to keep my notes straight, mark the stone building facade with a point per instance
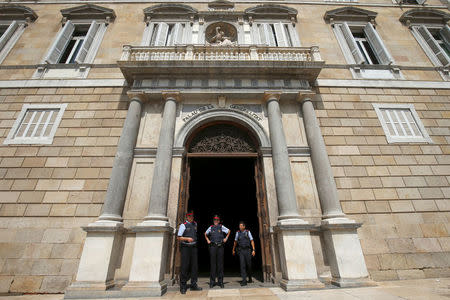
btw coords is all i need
(337, 111)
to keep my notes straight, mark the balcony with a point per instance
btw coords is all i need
(225, 62)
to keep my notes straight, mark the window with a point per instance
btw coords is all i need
(76, 43)
(363, 45)
(275, 35)
(36, 124)
(401, 124)
(435, 41)
(167, 34)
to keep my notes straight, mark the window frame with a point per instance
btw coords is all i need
(290, 34)
(423, 44)
(12, 40)
(48, 140)
(425, 138)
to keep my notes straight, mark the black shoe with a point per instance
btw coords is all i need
(212, 284)
(243, 283)
(250, 280)
(221, 285)
(196, 288)
(183, 291)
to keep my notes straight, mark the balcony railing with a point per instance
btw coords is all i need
(208, 53)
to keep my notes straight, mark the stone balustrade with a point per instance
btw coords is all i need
(212, 53)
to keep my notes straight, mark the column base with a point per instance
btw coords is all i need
(145, 289)
(298, 285)
(352, 282)
(149, 259)
(296, 255)
(344, 252)
(96, 268)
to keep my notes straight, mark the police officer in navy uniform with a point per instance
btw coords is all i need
(215, 236)
(187, 235)
(246, 249)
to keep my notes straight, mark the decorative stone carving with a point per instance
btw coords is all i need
(223, 138)
(221, 34)
(88, 12)
(424, 16)
(350, 13)
(17, 12)
(221, 5)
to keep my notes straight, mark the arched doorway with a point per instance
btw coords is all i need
(222, 174)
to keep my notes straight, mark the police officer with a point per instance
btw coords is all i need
(215, 236)
(187, 235)
(246, 249)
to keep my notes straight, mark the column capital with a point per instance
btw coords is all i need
(171, 95)
(137, 95)
(272, 95)
(304, 97)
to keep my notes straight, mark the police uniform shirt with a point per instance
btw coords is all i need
(224, 229)
(249, 235)
(182, 229)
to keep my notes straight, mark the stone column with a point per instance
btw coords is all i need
(326, 186)
(96, 269)
(287, 202)
(123, 161)
(157, 210)
(152, 235)
(342, 246)
(294, 240)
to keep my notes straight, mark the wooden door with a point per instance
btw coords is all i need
(263, 216)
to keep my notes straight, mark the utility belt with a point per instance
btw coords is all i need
(193, 244)
(244, 248)
(216, 244)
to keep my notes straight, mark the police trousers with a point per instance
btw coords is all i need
(189, 264)
(245, 262)
(216, 262)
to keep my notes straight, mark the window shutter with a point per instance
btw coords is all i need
(147, 34)
(381, 52)
(60, 43)
(256, 39)
(8, 34)
(177, 36)
(431, 42)
(356, 53)
(87, 42)
(445, 34)
(269, 38)
(161, 35)
(281, 35)
(294, 36)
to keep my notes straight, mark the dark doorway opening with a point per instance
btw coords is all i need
(225, 186)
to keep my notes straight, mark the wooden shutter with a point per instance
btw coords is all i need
(434, 46)
(445, 35)
(351, 43)
(8, 34)
(266, 35)
(161, 35)
(256, 39)
(281, 35)
(177, 35)
(294, 36)
(87, 43)
(381, 52)
(147, 34)
(60, 43)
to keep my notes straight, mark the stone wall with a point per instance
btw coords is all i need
(48, 192)
(399, 191)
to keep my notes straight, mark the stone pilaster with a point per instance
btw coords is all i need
(342, 245)
(294, 240)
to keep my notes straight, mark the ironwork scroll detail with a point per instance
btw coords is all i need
(222, 138)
